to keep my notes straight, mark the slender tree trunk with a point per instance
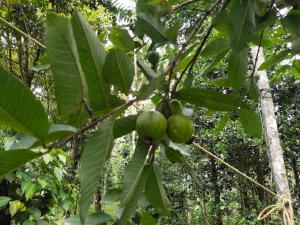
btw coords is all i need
(272, 140)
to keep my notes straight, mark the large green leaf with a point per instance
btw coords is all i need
(70, 84)
(215, 47)
(274, 59)
(19, 109)
(237, 68)
(155, 192)
(121, 38)
(251, 122)
(210, 99)
(135, 178)
(4, 201)
(241, 23)
(96, 151)
(147, 71)
(148, 89)
(124, 125)
(291, 22)
(91, 219)
(11, 160)
(118, 69)
(56, 131)
(151, 26)
(146, 219)
(219, 126)
(92, 57)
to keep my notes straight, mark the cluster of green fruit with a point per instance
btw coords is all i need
(167, 119)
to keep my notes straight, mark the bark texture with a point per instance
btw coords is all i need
(272, 140)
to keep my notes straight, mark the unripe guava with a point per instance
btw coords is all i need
(180, 128)
(175, 107)
(153, 57)
(151, 125)
(164, 108)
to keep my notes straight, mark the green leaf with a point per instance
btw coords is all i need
(12, 159)
(118, 69)
(19, 109)
(121, 38)
(56, 131)
(92, 56)
(135, 178)
(14, 206)
(222, 122)
(147, 71)
(274, 59)
(251, 122)
(151, 26)
(237, 68)
(215, 47)
(91, 219)
(70, 84)
(112, 195)
(210, 99)
(124, 125)
(96, 151)
(216, 61)
(253, 90)
(155, 192)
(4, 201)
(29, 189)
(148, 89)
(291, 22)
(220, 82)
(146, 219)
(241, 23)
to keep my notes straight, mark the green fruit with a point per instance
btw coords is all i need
(151, 125)
(164, 108)
(153, 58)
(175, 107)
(180, 128)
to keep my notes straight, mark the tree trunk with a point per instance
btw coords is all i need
(272, 141)
(297, 180)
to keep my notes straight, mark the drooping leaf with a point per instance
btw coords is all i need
(135, 178)
(253, 90)
(121, 38)
(291, 22)
(151, 26)
(56, 131)
(210, 99)
(146, 219)
(96, 151)
(92, 56)
(4, 201)
(91, 219)
(28, 188)
(147, 71)
(70, 84)
(12, 159)
(241, 23)
(274, 59)
(118, 69)
(216, 61)
(215, 47)
(155, 192)
(237, 68)
(222, 122)
(19, 109)
(148, 89)
(251, 122)
(124, 125)
(112, 195)
(221, 82)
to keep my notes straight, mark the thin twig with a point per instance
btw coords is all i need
(256, 57)
(22, 32)
(194, 59)
(91, 125)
